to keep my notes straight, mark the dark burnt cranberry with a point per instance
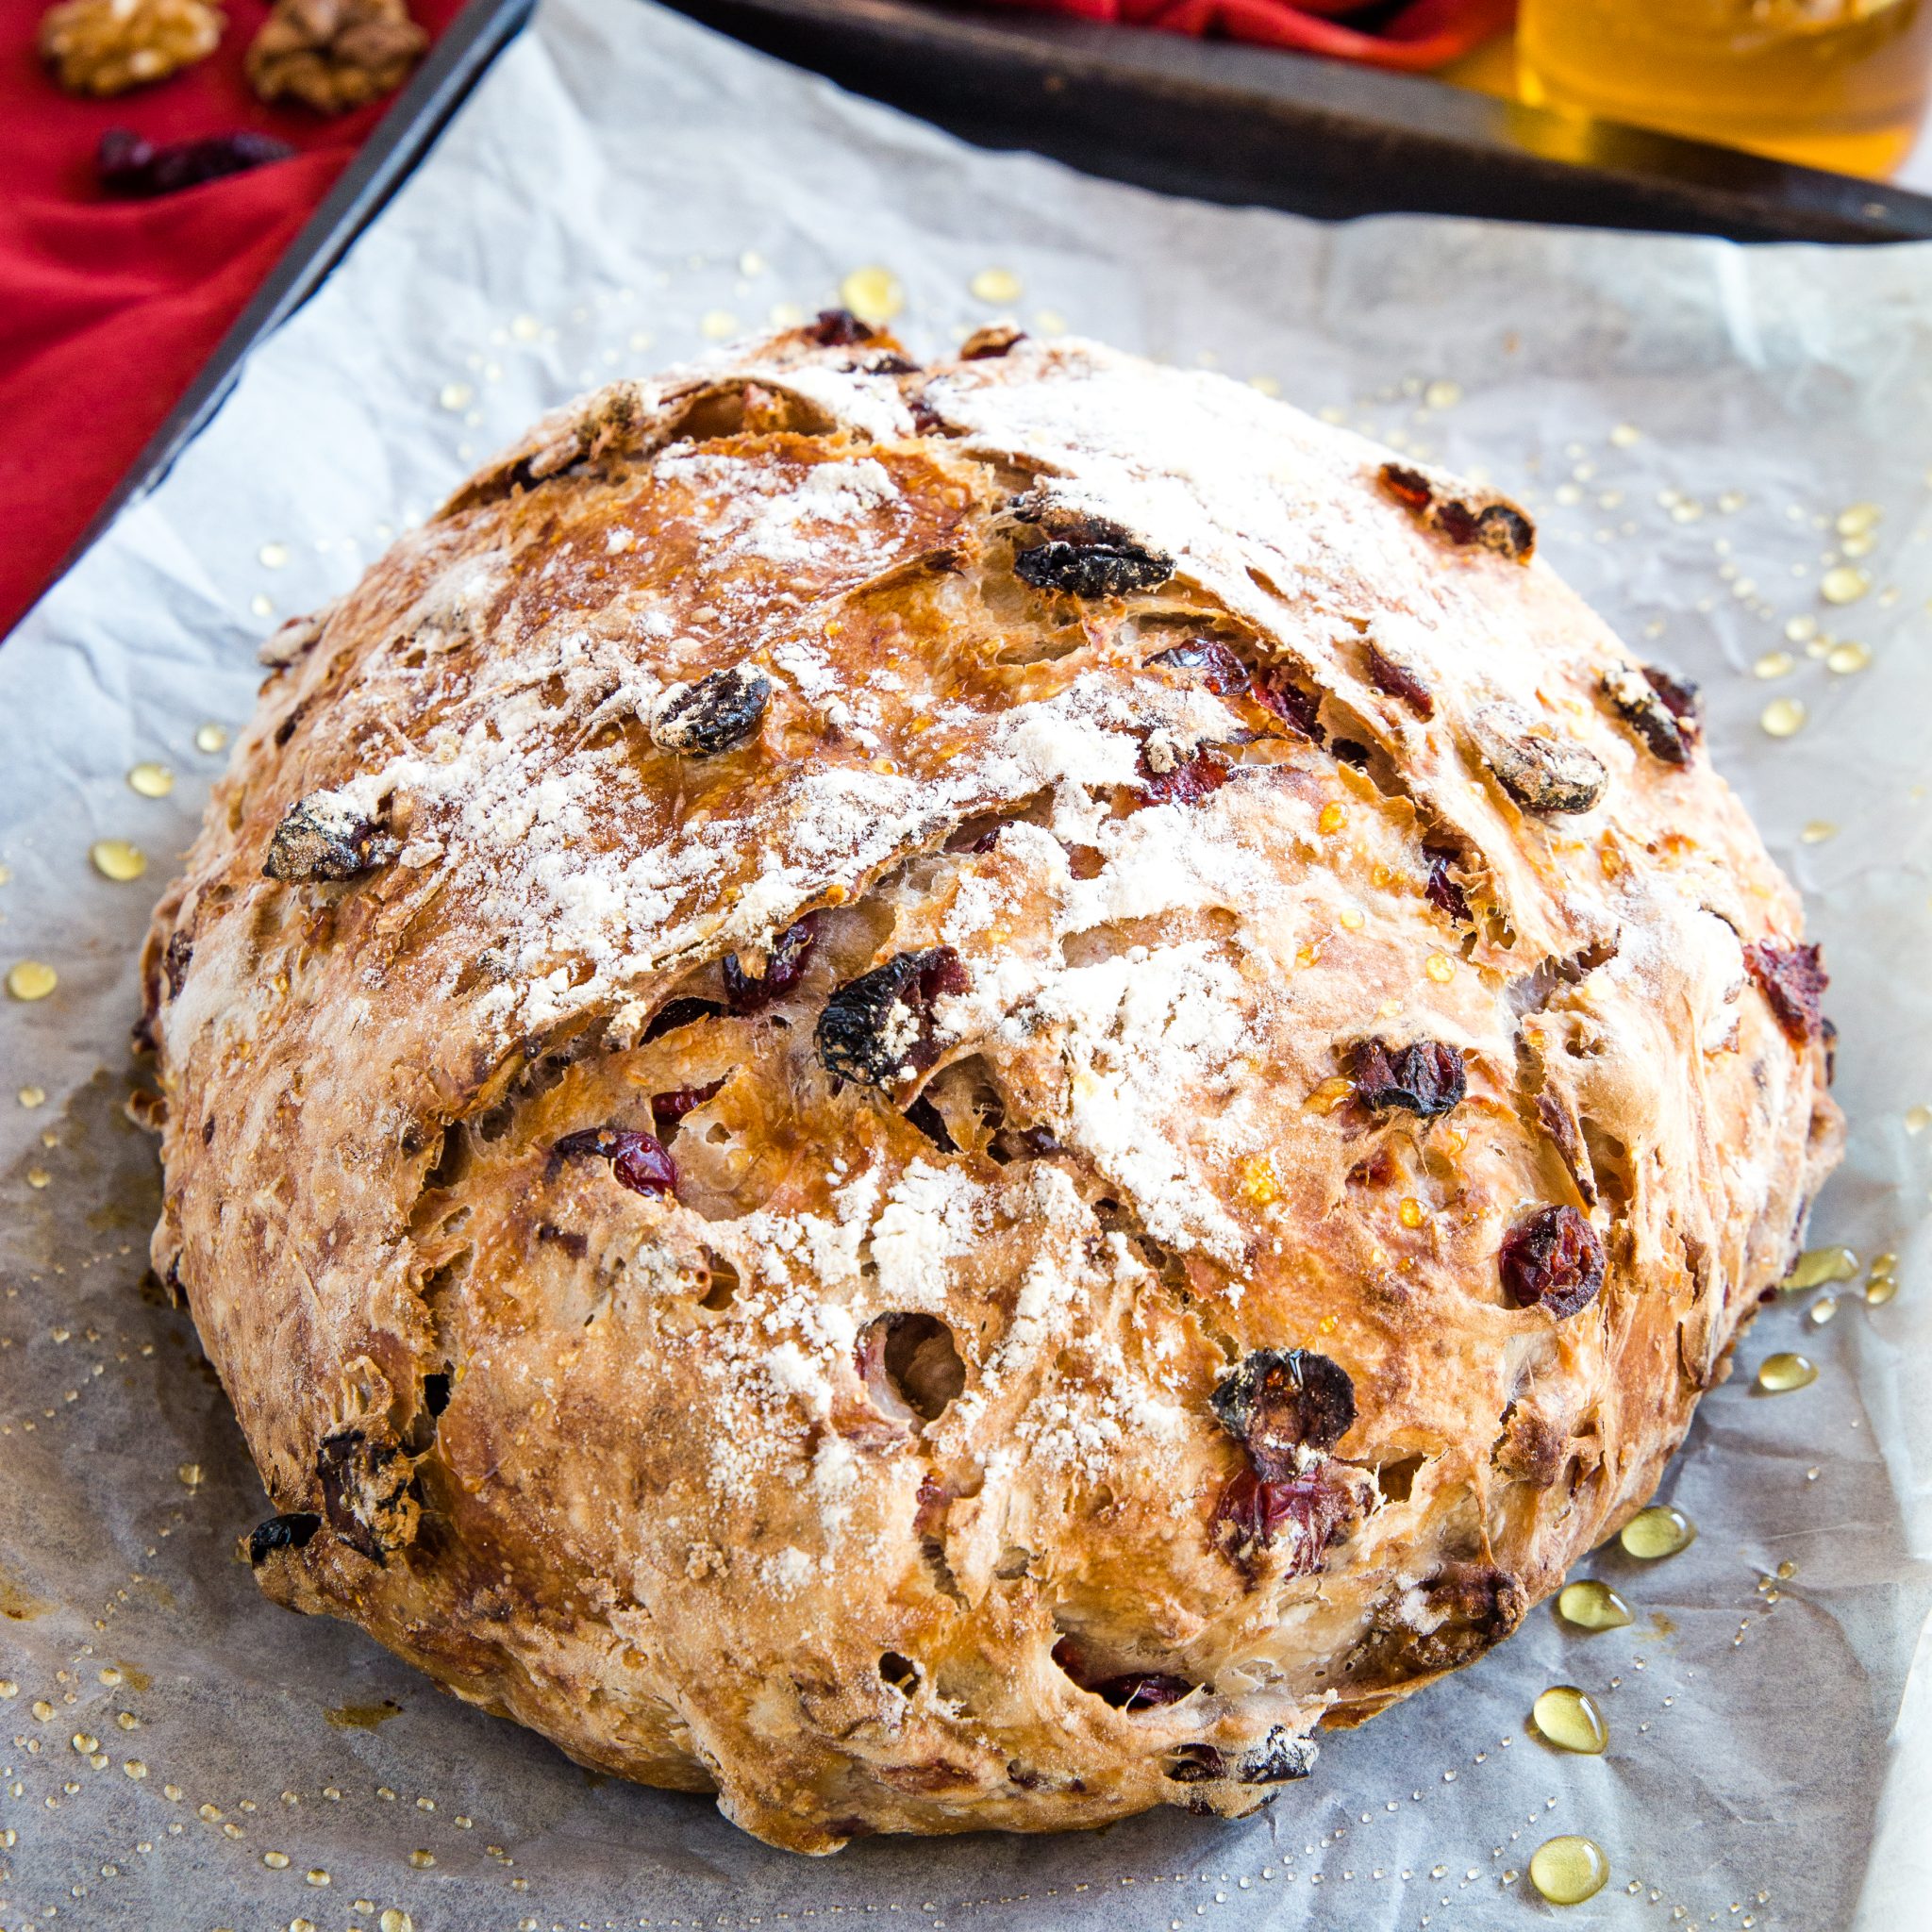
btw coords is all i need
(321, 840)
(637, 1159)
(1426, 1076)
(1553, 1258)
(679, 1012)
(127, 165)
(288, 1532)
(1206, 661)
(1279, 1759)
(1793, 980)
(1639, 703)
(1410, 488)
(876, 1027)
(667, 1110)
(1186, 781)
(174, 961)
(1197, 1764)
(1297, 708)
(784, 968)
(1682, 697)
(1280, 1401)
(838, 328)
(716, 714)
(1544, 774)
(1085, 555)
(1504, 528)
(1442, 893)
(1252, 1515)
(1399, 681)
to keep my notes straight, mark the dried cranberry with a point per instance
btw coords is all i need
(1793, 980)
(1495, 525)
(1298, 709)
(667, 1110)
(1085, 555)
(129, 165)
(1206, 661)
(1279, 1759)
(1636, 701)
(1442, 893)
(637, 1159)
(996, 339)
(1278, 1402)
(174, 961)
(1186, 781)
(716, 714)
(1426, 1076)
(838, 328)
(1132, 1691)
(1252, 1513)
(291, 1531)
(1554, 1258)
(1682, 697)
(318, 839)
(1197, 1764)
(1410, 488)
(876, 1028)
(784, 968)
(683, 1012)
(1399, 681)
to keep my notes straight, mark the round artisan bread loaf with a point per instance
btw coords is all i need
(946, 1096)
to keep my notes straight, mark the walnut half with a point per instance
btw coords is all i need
(108, 46)
(334, 55)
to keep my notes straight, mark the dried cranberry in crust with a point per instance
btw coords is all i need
(1426, 1076)
(1493, 524)
(784, 968)
(1553, 1258)
(716, 714)
(1297, 708)
(1206, 661)
(129, 165)
(174, 961)
(1636, 701)
(1441, 891)
(667, 1110)
(1085, 555)
(1132, 1691)
(1793, 980)
(320, 840)
(995, 338)
(1253, 1514)
(1399, 681)
(1279, 1402)
(876, 1027)
(1279, 1759)
(1197, 1764)
(683, 1012)
(838, 328)
(291, 1531)
(1682, 697)
(637, 1159)
(1186, 781)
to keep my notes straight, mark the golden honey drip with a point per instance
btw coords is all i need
(874, 294)
(1783, 718)
(1568, 1718)
(1816, 1266)
(1592, 1606)
(152, 780)
(1568, 1869)
(212, 737)
(997, 285)
(31, 979)
(1778, 1374)
(1843, 585)
(1822, 1310)
(115, 858)
(1657, 1532)
(1879, 1291)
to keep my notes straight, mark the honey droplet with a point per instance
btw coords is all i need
(1816, 1266)
(1568, 1718)
(272, 556)
(526, 328)
(1329, 1094)
(211, 736)
(1568, 1869)
(135, 1768)
(456, 395)
(1802, 629)
(1817, 832)
(1822, 1310)
(873, 293)
(421, 1858)
(1265, 385)
(33, 1096)
(1859, 520)
(1332, 819)
(393, 1920)
(717, 325)
(276, 1861)
(42, 1709)
(31, 979)
(38, 1177)
(1783, 717)
(995, 285)
(1626, 436)
(1440, 967)
(1886, 1263)
(1778, 1374)
(261, 605)
(8, 1687)
(1657, 1532)
(152, 780)
(1918, 1119)
(1350, 920)
(1773, 664)
(1879, 1291)
(115, 858)
(1843, 585)
(1847, 657)
(316, 1876)
(1442, 394)
(1410, 1213)
(1592, 1606)
(189, 1475)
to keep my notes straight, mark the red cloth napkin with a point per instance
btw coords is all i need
(108, 308)
(1421, 35)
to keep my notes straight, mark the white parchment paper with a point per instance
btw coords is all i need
(1687, 419)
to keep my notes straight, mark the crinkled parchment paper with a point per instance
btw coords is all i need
(1687, 419)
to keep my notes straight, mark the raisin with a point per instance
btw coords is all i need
(1086, 556)
(1399, 681)
(1297, 708)
(1280, 1401)
(683, 1012)
(1494, 524)
(1793, 980)
(1252, 1513)
(127, 165)
(318, 839)
(1636, 701)
(638, 1159)
(1682, 697)
(1206, 661)
(878, 1028)
(291, 1531)
(174, 961)
(716, 714)
(1442, 892)
(1186, 781)
(838, 328)
(667, 1110)
(995, 338)
(1555, 1259)
(1280, 1757)
(784, 968)
(1132, 1691)
(1426, 1076)
(1545, 775)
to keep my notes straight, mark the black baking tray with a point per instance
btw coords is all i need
(1209, 119)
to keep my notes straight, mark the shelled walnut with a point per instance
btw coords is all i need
(334, 55)
(108, 46)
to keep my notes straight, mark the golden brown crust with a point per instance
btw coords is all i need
(1273, 907)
